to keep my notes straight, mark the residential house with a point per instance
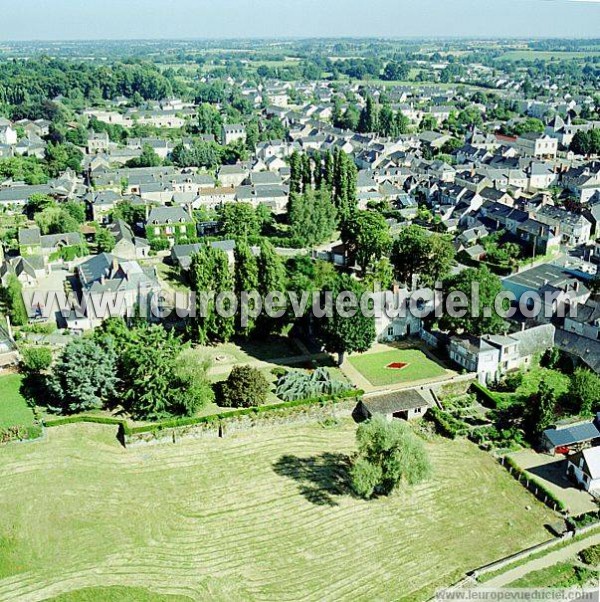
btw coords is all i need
(97, 142)
(127, 246)
(109, 282)
(231, 132)
(492, 356)
(540, 146)
(584, 467)
(172, 224)
(232, 175)
(574, 228)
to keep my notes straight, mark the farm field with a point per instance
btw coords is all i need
(14, 410)
(373, 366)
(545, 55)
(258, 516)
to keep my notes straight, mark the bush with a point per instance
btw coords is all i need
(159, 244)
(583, 520)
(278, 371)
(301, 385)
(445, 424)
(36, 359)
(245, 387)
(591, 555)
(20, 433)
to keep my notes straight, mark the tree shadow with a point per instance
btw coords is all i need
(319, 478)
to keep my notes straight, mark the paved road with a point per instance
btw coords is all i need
(560, 555)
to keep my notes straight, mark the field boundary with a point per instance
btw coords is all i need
(218, 425)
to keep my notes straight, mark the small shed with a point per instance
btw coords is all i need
(570, 438)
(395, 404)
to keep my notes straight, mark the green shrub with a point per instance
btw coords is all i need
(245, 387)
(445, 424)
(20, 433)
(591, 555)
(300, 385)
(583, 520)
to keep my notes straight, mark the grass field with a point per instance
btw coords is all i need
(258, 516)
(373, 366)
(117, 594)
(14, 410)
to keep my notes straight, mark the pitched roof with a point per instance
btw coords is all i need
(395, 401)
(577, 433)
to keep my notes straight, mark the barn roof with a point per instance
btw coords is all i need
(395, 401)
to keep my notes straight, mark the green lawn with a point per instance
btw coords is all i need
(260, 515)
(373, 366)
(14, 410)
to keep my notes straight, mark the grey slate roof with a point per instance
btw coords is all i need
(577, 433)
(395, 401)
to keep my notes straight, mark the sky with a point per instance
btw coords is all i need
(171, 19)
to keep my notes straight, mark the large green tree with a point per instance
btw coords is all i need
(245, 282)
(11, 297)
(211, 276)
(83, 377)
(312, 217)
(389, 454)
(480, 289)
(239, 220)
(366, 236)
(348, 330)
(584, 392)
(417, 252)
(158, 380)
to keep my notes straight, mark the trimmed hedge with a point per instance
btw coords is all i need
(84, 418)
(485, 396)
(519, 473)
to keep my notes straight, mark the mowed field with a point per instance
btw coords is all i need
(262, 515)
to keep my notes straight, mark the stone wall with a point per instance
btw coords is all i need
(224, 427)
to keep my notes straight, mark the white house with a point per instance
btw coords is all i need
(584, 466)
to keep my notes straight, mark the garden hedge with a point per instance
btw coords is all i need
(485, 396)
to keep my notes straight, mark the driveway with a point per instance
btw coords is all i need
(551, 471)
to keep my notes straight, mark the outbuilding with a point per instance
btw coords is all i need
(395, 404)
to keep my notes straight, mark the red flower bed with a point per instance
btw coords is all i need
(397, 365)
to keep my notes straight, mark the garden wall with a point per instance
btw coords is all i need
(228, 423)
(457, 386)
